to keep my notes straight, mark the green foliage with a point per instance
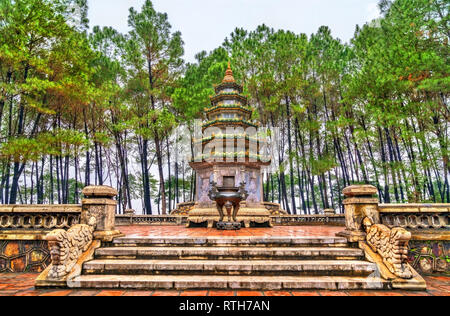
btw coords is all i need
(374, 110)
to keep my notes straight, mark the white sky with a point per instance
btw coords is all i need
(206, 23)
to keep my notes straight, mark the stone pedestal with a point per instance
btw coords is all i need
(229, 226)
(252, 210)
(248, 216)
(360, 202)
(99, 203)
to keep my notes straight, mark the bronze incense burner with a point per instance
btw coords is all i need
(230, 199)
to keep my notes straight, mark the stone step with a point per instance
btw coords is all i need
(150, 282)
(230, 253)
(230, 267)
(230, 241)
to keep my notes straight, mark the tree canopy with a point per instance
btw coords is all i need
(81, 106)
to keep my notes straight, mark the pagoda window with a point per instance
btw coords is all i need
(228, 115)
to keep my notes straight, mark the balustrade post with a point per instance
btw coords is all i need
(360, 202)
(99, 202)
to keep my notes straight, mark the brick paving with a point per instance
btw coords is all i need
(277, 231)
(22, 284)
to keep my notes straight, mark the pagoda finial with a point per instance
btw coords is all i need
(229, 74)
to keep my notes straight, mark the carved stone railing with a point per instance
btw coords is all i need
(416, 217)
(388, 234)
(299, 220)
(38, 217)
(152, 220)
(282, 220)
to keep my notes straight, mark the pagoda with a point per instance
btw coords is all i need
(229, 154)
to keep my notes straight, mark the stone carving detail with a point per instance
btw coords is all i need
(252, 194)
(391, 245)
(66, 247)
(204, 198)
(93, 211)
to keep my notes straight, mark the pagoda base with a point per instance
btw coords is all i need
(247, 216)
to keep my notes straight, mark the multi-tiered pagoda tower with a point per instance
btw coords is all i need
(229, 154)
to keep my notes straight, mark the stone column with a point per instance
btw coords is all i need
(99, 202)
(360, 202)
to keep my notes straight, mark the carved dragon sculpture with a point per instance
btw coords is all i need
(391, 245)
(66, 247)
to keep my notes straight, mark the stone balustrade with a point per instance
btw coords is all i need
(298, 220)
(416, 216)
(280, 220)
(156, 220)
(39, 217)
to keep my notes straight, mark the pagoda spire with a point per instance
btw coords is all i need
(229, 75)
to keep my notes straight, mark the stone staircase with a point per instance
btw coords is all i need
(237, 263)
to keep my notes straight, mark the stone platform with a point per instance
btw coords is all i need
(246, 216)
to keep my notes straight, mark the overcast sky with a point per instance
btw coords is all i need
(206, 23)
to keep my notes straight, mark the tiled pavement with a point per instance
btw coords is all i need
(277, 231)
(23, 284)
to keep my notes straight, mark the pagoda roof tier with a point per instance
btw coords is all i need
(228, 85)
(256, 145)
(228, 107)
(223, 121)
(238, 159)
(228, 96)
(230, 137)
